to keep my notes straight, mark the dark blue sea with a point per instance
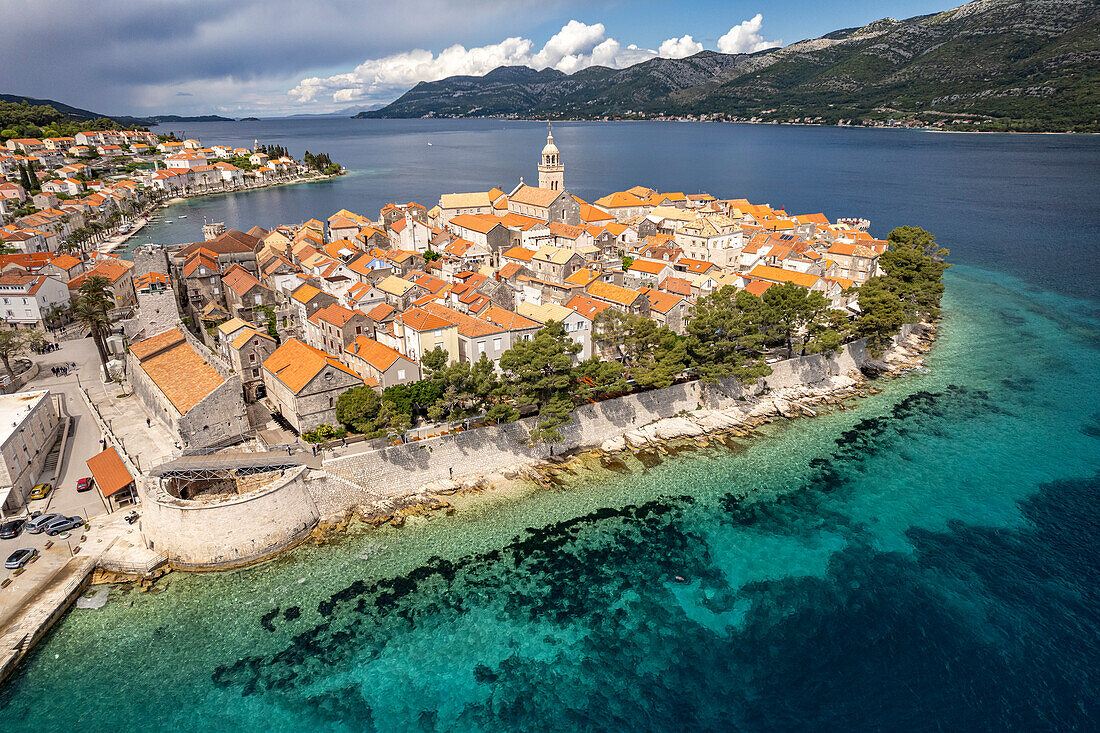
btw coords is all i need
(926, 561)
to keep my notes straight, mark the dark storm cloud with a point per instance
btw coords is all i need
(113, 53)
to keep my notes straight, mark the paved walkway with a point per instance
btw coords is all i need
(84, 442)
(147, 441)
(109, 537)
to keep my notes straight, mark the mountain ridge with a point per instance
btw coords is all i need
(1006, 64)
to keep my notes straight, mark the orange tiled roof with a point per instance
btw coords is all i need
(109, 472)
(295, 364)
(335, 314)
(613, 293)
(519, 253)
(381, 312)
(661, 301)
(506, 318)
(649, 267)
(535, 196)
(420, 319)
(777, 274)
(757, 287)
(379, 356)
(176, 369)
(587, 306)
(468, 326)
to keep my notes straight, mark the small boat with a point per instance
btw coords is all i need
(182, 216)
(429, 145)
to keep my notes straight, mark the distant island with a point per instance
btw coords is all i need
(161, 119)
(249, 119)
(991, 65)
(61, 112)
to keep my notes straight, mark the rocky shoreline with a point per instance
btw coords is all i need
(702, 426)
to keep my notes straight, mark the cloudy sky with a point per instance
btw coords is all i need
(273, 57)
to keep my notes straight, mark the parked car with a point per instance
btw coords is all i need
(40, 491)
(84, 484)
(37, 524)
(21, 557)
(11, 528)
(63, 525)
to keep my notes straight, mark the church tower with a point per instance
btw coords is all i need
(551, 170)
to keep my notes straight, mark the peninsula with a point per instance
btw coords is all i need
(271, 381)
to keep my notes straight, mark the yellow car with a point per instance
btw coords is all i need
(39, 492)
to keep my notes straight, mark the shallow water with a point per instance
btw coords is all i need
(926, 561)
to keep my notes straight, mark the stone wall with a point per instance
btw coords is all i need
(150, 258)
(157, 311)
(399, 470)
(219, 419)
(231, 532)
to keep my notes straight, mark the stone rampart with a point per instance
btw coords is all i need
(399, 470)
(230, 532)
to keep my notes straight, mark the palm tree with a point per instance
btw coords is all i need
(90, 309)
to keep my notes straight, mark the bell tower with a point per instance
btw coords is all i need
(551, 170)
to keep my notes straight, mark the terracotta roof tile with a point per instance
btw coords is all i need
(295, 364)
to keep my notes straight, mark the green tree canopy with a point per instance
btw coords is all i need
(358, 409)
(12, 345)
(539, 373)
(790, 308)
(726, 336)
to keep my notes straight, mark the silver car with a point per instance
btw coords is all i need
(21, 557)
(64, 524)
(36, 525)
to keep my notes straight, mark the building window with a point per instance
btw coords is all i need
(496, 344)
(252, 357)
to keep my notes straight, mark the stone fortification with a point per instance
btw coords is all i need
(397, 471)
(232, 531)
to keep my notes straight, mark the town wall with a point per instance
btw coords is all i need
(231, 532)
(399, 470)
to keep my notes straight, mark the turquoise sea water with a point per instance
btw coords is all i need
(926, 561)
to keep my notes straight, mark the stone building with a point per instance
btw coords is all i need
(303, 384)
(120, 278)
(544, 203)
(306, 300)
(245, 296)
(248, 351)
(28, 429)
(158, 308)
(332, 328)
(380, 364)
(199, 402)
(150, 258)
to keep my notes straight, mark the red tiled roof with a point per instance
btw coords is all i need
(109, 472)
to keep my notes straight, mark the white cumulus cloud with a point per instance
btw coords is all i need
(576, 46)
(679, 48)
(745, 37)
